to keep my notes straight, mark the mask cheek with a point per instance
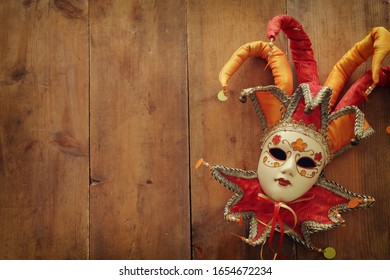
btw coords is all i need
(270, 161)
(308, 172)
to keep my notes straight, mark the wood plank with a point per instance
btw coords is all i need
(224, 133)
(363, 169)
(139, 137)
(44, 130)
(139, 127)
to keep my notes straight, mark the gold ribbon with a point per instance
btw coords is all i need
(282, 205)
(276, 217)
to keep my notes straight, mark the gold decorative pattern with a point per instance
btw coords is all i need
(307, 227)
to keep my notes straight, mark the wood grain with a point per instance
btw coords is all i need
(43, 130)
(139, 136)
(223, 133)
(106, 106)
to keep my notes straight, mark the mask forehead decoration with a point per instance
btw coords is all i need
(303, 130)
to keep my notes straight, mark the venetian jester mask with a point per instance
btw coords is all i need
(302, 131)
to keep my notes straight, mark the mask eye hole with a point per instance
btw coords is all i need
(278, 153)
(306, 162)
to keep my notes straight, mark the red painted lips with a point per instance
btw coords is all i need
(283, 182)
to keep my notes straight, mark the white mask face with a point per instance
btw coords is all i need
(289, 165)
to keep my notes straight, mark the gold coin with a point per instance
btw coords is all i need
(329, 253)
(221, 96)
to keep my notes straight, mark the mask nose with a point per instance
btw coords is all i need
(289, 167)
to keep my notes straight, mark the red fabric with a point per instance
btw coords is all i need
(315, 209)
(313, 118)
(300, 45)
(305, 64)
(356, 93)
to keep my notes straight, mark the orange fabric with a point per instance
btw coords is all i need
(278, 63)
(341, 131)
(270, 105)
(377, 43)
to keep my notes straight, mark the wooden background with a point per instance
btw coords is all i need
(105, 107)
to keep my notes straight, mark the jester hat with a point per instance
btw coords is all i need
(312, 110)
